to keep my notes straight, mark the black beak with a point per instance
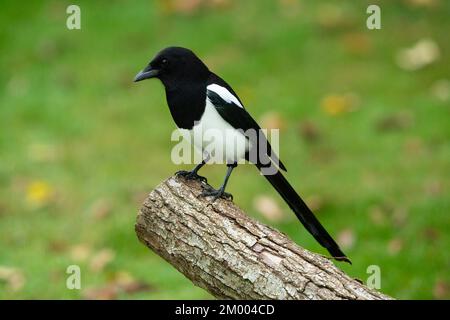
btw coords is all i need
(147, 73)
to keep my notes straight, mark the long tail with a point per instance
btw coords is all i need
(305, 215)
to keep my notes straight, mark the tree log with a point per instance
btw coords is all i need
(232, 256)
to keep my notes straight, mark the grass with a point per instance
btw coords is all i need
(81, 145)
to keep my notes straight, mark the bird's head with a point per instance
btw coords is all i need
(173, 66)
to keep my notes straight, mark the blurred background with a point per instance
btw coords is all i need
(364, 119)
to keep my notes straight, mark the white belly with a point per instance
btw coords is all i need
(214, 137)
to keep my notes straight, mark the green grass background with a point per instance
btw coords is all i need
(71, 92)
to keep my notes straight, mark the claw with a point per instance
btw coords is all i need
(190, 175)
(209, 191)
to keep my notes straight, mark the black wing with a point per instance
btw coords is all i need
(239, 118)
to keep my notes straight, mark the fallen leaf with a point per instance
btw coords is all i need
(395, 246)
(126, 283)
(441, 90)
(423, 3)
(57, 246)
(14, 278)
(39, 193)
(336, 104)
(108, 292)
(357, 43)
(268, 207)
(272, 120)
(330, 16)
(346, 238)
(441, 290)
(431, 234)
(101, 208)
(309, 131)
(101, 259)
(122, 277)
(122, 282)
(315, 202)
(394, 122)
(186, 7)
(80, 252)
(421, 54)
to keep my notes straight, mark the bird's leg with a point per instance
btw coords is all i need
(209, 191)
(193, 175)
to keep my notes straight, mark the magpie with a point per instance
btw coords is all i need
(199, 100)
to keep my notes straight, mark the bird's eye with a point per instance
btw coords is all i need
(164, 61)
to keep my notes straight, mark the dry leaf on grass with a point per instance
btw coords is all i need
(187, 7)
(39, 193)
(357, 43)
(80, 252)
(57, 246)
(431, 234)
(421, 54)
(122, 282)
(315, 202)
(101, 259)
(330, 16)
(272, 120)
(377, 215)
(101, 209)
(268, 207)
(338, 104)
(346, 238)
(107, 292)
(395, 246)
(395, 122)
(441, 290)
(309, 131)
(191, 7)
(14, 278)
(441, 90)
(423, 3)
(126, 283)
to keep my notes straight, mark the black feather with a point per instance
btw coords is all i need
(305, 215)
(239, 118)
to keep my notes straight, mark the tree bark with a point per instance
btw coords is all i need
(232, 256)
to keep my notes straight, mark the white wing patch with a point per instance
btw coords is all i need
(224, 94)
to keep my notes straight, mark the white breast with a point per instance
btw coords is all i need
(213, 136)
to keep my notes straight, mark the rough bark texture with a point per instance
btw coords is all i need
(219, 248)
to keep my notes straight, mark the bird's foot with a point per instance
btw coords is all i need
(209, 191)
(190, 175)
